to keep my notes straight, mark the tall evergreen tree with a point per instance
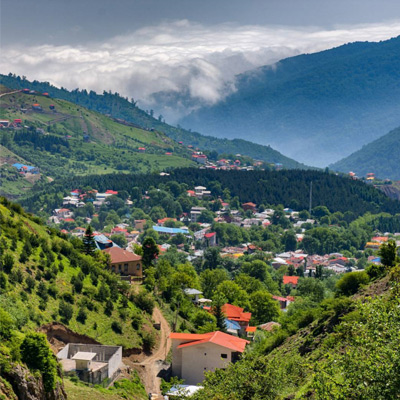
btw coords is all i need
(150, 251)
(218, 301)
(89, 244)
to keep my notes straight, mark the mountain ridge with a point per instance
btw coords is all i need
(315, 107)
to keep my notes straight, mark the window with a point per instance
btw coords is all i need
(138, 267)
(224, 355)
(205, 354)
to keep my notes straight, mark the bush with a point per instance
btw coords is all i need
(136, 321)
(145, 302)
(30, 284)
(68, 297)
(375, 271)
(108, 309)
(351, 282)
(37, 355)
(8, 263)
(66, 311)
(116, 327)
(149, 341)
(82, 316)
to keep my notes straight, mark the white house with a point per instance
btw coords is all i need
(195, 354)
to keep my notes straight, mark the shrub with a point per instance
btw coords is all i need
(109, 307)
(66, 311)
(30, 284)
(145, 302)
(149, 341)
(351, 282)
(37, 355)
(68, 297)
(82, 316)
(116, 327)
(8, 263)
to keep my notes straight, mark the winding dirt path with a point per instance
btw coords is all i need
(151, 366)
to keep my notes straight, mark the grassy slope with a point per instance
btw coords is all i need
(345, 354)
(119, 107)
(113, 146)
(11, 301)
(132, 390)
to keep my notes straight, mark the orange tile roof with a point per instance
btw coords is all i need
(251, 329)
(235, 313)
(294, 280)
(119, 255)
(218, 338)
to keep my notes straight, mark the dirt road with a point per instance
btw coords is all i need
(4, 94)
(151, 366)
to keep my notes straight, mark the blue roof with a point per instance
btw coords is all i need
(232, 324)
(19, 166)
(163, 229)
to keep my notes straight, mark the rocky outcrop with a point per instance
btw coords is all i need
(27, 386)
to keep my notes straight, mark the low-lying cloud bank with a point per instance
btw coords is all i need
(179, 56)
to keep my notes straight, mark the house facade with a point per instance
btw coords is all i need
(124, 262)
(195, 354)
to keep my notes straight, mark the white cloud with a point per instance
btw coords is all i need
(178, 56)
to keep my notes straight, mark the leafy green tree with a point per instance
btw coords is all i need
(388, 253)
(89, 244)
(234, 294)
(263, 307)
(37, 355)
(8, 263)
(210, 279)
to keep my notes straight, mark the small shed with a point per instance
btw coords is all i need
(83, 360)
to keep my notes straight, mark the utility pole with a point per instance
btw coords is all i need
(310, 205)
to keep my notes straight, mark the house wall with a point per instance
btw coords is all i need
(114, 362)
(131, 268)
(198, 359)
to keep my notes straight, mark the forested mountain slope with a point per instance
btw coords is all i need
(119, 107)
(382, 157)
(268, 187)
(316, 108)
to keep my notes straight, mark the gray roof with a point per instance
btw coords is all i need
(192, 292)
(84, 355)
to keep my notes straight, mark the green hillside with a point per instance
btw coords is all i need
(119, 107)
(45, 278)
(316, 108)
(350, 351)
(54, 140)
(382, 157)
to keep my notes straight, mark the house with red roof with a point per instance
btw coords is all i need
(291, 280)
(195, 354)
(237, 314)
(249, 206)
(211, 239)
(124, 262)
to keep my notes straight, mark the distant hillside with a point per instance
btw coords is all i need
(317, 108)
(62, 139)
(337, 193)
(119, 107)
(382, 156)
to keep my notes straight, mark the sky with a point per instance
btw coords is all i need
(141, 47)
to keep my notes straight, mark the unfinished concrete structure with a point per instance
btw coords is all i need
(92, 363)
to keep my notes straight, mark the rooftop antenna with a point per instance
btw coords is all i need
(310, 205)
